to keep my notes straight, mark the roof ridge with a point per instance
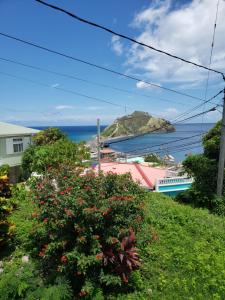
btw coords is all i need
(138, 167)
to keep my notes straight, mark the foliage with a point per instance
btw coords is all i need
(186, 259)
(21, 216)
(27, 160)
(211, 142)
(152, 158)
(4, 170)
(27, 284)
(6, 207)
(203, 168)
(48, 136)
(86, 228)
(40, 158)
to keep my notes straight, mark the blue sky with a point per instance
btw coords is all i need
(181, 27)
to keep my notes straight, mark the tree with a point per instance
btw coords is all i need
(51, 147)
(203, 168)
(48, 136)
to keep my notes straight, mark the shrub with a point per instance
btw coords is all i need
(86, 228)
(4, 170)
(6, 228)
(152, 158)
(22, 281)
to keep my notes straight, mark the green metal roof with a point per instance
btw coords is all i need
(7, 129)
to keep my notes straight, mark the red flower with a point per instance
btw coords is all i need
(41, 254)
(34, 215)
(64, 259)
(87, 188)
(65, 177)
(45, 220)
(68, 212)
(82, 293)
(82, 239)
(114, 240)
(106, 212)
(62, 193)
(99, 256)
(42, 202)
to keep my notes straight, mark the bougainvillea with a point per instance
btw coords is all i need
(86, 227)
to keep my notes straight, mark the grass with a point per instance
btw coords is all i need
(187, 258)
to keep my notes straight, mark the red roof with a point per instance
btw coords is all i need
(146, 176)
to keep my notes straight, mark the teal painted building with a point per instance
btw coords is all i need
(173, 186)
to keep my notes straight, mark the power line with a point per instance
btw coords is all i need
(198, 106)
(161, 127)
(85, 80)
(126, 37)
(63, 90)
(168, 149)
(162, 144)
(211, 53)
(99, 67)
(197, 115)
(176, 147)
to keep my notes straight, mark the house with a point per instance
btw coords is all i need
(153, 179)
(14, 140)
(107, 154)
(144, 175)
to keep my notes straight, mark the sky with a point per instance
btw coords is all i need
(181, 27)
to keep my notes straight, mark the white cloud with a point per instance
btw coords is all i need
(55, 85)
(170, 113)
(143, 85)
(62, 107)
(116, 45)
(185, 32)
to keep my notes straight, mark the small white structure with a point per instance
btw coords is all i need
(14, 140)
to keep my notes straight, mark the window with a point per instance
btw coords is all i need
(17, 145)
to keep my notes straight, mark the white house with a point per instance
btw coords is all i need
(14, 140)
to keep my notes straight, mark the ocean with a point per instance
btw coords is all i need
(189, 133)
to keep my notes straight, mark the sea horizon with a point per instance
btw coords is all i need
(189, 133)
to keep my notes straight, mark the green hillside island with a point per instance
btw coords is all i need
(137, 123)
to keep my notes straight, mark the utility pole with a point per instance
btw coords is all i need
(220, 176)
(98, 146)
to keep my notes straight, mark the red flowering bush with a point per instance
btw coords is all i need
(86, 228)
(6, 207)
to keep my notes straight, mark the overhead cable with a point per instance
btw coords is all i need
(127, 37)
(86, 81)
(98, 66)
(63, 90)
(167, 143)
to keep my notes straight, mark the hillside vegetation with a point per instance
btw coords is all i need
(186, 259)
(136, 123)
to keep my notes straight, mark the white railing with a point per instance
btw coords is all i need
(170, 182)
(174, 180)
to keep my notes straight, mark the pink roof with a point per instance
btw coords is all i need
(144, 175)
(107, 151)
